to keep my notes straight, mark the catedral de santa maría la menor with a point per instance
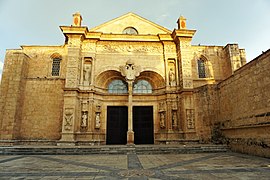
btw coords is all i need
(132, 81)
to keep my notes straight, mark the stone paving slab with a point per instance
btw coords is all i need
(135, 167)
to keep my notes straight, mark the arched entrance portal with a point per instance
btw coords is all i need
(130, 121)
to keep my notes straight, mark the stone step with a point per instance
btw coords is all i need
(124, 149)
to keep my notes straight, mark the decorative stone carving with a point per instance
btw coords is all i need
(170, 49)
(162, 113)
(88, 47)
(187, 83)
(68, 118)
(161, 106)
(162, 120)
(186, 73)
(97, 124)
(174, 119)
(174, 105)
(85, 105)
(190, 116)
(72, 61)
(129, 48)
(185, 44)
(130, 71)
(74, 41)
(84, 119)
(97, 116)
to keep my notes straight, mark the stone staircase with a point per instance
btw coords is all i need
(112, 149)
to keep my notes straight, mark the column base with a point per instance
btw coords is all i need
(67, 139)
(130, 137)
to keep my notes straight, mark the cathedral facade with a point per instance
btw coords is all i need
(127, 81)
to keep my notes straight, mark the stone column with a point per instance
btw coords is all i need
(130, 72)
(130, 133)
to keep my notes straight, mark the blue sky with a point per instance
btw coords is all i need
(218, 22)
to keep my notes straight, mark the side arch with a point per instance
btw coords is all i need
(155, 79)
(103, 79)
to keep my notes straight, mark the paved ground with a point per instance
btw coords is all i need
(132, 166)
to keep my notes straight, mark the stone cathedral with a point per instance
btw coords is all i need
(127, 81)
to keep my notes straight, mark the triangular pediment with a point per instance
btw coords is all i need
(142, 25)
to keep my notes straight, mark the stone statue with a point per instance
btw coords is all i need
(84, 119)
(172, 77)
(97, 121)
(162, 120)
(87, 72)
(174, 119)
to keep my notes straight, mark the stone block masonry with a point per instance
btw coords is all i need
(237, 110)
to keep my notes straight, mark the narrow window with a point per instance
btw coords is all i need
(201, 68)
(56, 67)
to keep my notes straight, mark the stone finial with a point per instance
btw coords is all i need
(77, 19)
(181, 22)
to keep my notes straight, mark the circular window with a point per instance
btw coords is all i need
(130, 30)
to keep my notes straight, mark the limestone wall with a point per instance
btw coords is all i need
(11, 93)
(207, 109)
(245, 107)
(42, 110)
(31, 100)
(218, 63)
(237, 110)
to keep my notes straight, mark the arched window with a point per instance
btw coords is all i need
(142, 86)
(117, 86)
(130, 30)
(201, 68)
(56, 62)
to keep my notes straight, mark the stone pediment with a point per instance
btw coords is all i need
(130, 20)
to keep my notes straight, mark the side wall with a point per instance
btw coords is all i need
(237, 110)
(245, 107)
(42, 110)
(11, 94)
(31, 100)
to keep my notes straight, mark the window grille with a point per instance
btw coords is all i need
(201, 68)
(56, 67)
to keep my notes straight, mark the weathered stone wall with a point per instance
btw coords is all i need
(42, 109)
(11, 93)
(207, 108)
(215, 55)
(245, 107)
(31, 98)
(237, 110)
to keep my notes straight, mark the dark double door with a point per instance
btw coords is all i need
(117, 124)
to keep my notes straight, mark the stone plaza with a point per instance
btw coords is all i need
(210, 166)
